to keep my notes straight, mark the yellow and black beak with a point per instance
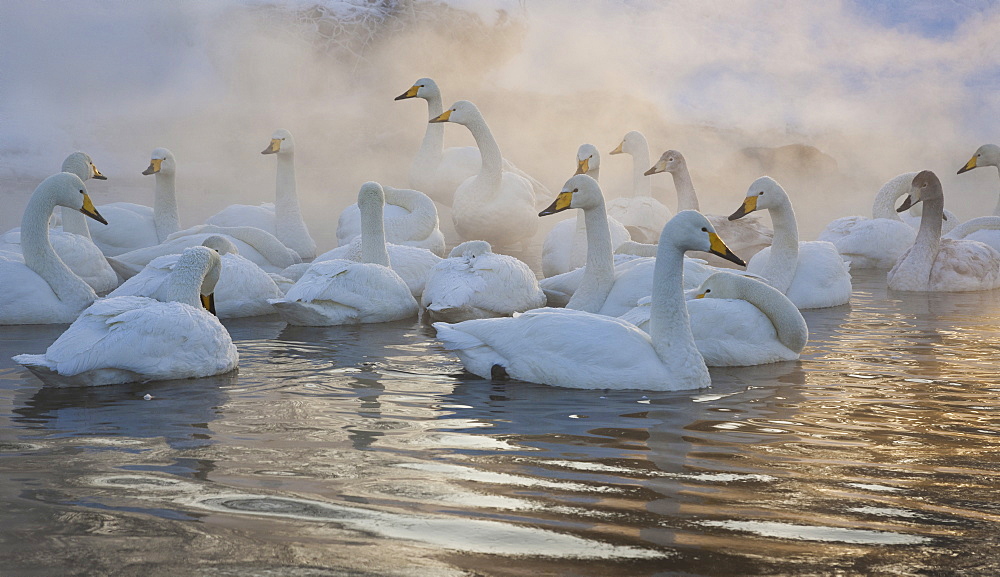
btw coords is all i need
(749, 205)
(968, 165)
(719, 248)
(560, 204)
(619, 150)
(656, 169)
(582, 166)
(272, 148)
(97, 173)
(208, 301)
(154, 166)
(443, 117)
(89, 210)
(411, 93)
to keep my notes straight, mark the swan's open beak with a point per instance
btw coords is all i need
(560, 204)
(272, 148)
(154, 166)
(719, 248)
(749, 205)
(89, 210)
(968, 165)
(442, 118)
(908, 202)
(208, 301)
(619, 150)
(97, 173)
(411, 93)
(582, 166)
(657, 168)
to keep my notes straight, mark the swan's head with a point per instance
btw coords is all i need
(588, 159)
(67, 189)
(424, 88)
(462, 112)
(471, 248)
(926, 186)
(633, 142)
(371, 194)
(161, 160)
(80, 164)
(220, 244)
(986, 155)
(670, 161)
(764, 193)
(281, 141)
(726, 285)
(204, 264)
(690, 230)
(580, 191)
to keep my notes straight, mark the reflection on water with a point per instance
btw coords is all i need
(367, 451)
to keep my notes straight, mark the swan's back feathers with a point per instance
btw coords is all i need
(965, 265)
(822, 278)
(412, 264)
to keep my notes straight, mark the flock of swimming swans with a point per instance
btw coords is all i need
(619, 304)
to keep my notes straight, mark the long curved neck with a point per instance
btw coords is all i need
(687, 198)
(599, 276)
(433, 143)
(165, 206)
(996, 210)
(182, 285)
(641, 185)
(669, 322)
(289, 226)
(884, 205)
(40, 257)
(931, 221)
(373, 236)
(787, 320)
(491, 171)
(75, 222)
(784, 257)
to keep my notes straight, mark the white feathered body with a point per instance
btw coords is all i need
(822, 279)
(412, 264)
(480, 286)
(80, 254)
(642, 216)
(869, 242)
(411, 219)
(565, 247)
(130, 226)
(959, 265)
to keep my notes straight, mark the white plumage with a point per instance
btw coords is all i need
(642, 215)
(411, 219)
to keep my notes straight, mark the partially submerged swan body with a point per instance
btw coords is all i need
(571, 348)
(475, 283)
(941, 264)
(283, 219)
(338, 292)
(640, 213)
(411, 219)
(810, 273)
(136, 339)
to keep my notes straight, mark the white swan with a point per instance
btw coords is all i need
(475, 283)
(642, 215)
(985, 155)
(438, 171)
(412, 264)
(37, 287)
(337, 292)
(875, 242)
(810, 273)
(283, 218)
(565, 247)
(132, 339)
(135, 226)
(984, 229)
(742, 322)
(243, 289)
(411, 219)
(941, 264)
(496, 205)
(571, 348)
(73, 243)
(746, 236)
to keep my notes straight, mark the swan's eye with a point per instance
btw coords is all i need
(81, 192)
(703, 229)
(576, 190)
(761, 193)
(708, 291)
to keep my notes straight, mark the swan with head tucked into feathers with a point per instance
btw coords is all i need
(73, 243)
(283, 218)
(134, 226)
(565, 247)
(338, 292)
(746, 236)
(438, 171)
(941, 264)
(495, 205)
(642, 215)
(570, 348)
(810, 273)
(135, 339)
(742, 322)
(37, 287)
(475, 283)
(411, 219)
(243, 289)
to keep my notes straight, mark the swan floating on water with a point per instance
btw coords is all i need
(571, 348)
(642, 215)
(135, 339)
